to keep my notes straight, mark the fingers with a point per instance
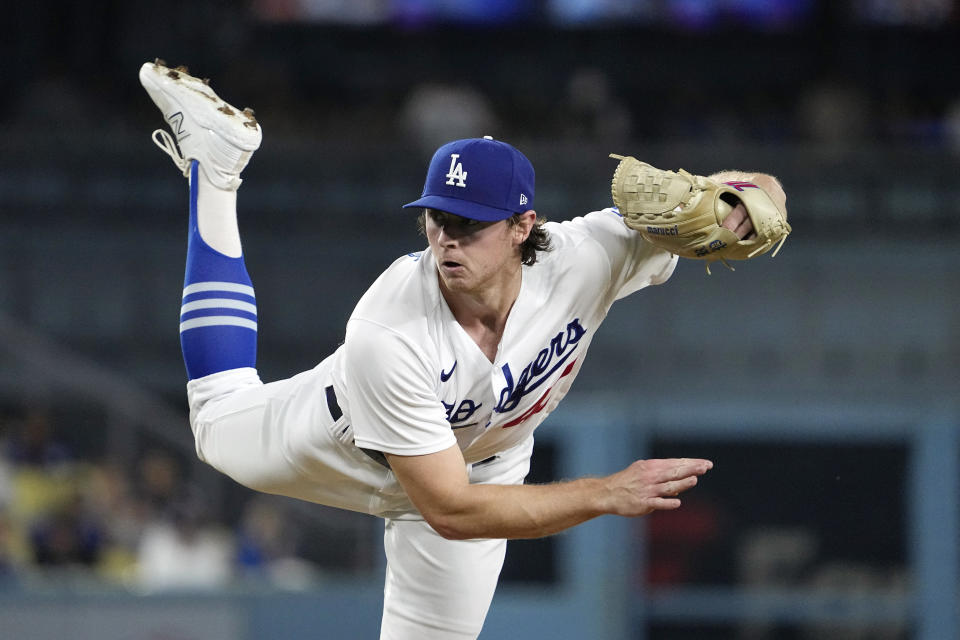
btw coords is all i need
(664, 504)
(651, 485)
(738, 221)
(665, 469)
(685, 477)
(745, 230)
(676, 487)
(735, 217)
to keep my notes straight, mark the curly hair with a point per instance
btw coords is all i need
(537, 241)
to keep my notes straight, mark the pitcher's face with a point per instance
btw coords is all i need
(472, 255)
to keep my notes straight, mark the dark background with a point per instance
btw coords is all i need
(854, 105)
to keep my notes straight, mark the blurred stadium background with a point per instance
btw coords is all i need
(823, 383)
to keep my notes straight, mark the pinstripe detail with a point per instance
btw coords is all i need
(218, 303)
(217, 321)
(199, 287)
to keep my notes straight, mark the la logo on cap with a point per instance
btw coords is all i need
(456, 172)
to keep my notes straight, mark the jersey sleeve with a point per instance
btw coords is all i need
(634, 262)
(391, 393)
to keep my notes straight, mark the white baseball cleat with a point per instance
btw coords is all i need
(220, 137)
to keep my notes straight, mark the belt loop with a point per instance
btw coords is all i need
(334, 408)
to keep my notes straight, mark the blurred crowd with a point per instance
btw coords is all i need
(79, 66)
(65, 516)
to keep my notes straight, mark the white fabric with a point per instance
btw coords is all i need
(217, 217)
(280, 438)
(402, 341)
(232, 287)
(436, 589)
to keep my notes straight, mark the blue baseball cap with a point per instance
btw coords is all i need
(478, 178)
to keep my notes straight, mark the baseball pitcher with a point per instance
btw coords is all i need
(425, 416)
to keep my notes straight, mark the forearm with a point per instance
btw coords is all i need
(522, 511)
(438, 485)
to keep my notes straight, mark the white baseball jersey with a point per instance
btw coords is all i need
(411, 381)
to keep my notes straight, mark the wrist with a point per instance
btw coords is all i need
(599, 496)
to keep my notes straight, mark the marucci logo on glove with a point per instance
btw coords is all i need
(665, 231)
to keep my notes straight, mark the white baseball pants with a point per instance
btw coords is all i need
(281, 438)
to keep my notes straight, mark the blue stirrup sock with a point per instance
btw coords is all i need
(218, 318)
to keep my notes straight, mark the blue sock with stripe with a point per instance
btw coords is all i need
(218, 319)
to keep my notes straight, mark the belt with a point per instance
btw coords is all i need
(336, 413)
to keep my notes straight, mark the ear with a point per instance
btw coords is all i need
(524, 225)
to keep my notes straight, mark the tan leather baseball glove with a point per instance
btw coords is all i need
(682, 213)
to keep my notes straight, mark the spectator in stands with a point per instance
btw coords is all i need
(68, 535)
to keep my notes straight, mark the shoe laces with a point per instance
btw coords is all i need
(166, 144)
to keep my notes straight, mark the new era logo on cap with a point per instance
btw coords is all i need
(478, 178)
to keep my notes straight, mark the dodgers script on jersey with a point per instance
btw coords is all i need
(413, 382)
